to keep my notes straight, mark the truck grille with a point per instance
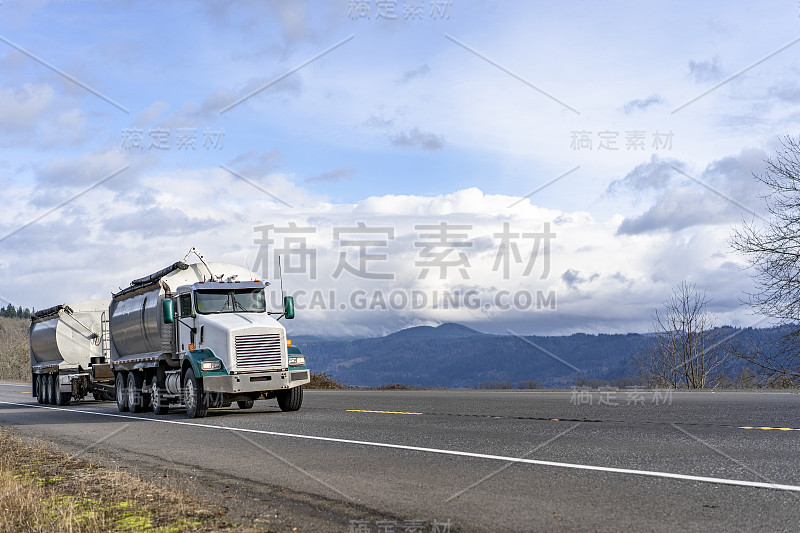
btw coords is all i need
(258, 351)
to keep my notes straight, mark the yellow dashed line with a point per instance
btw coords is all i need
(384, 412)
(768, 428)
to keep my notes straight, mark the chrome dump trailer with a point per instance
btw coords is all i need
(67, 360)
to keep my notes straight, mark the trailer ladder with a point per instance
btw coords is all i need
(105, 336)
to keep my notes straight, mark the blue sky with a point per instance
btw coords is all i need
(452, 117)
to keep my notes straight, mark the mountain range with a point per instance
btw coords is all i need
(455, 356)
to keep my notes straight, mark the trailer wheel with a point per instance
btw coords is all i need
(121, 392)
(51, 392)
(137, 400)
(194, 398)
(160, 405)
(59, 398)
(290, 399)
(40, 386)
(245, 404)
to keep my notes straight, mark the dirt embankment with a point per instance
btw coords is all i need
(42, 489)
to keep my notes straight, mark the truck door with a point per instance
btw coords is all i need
(186, 325)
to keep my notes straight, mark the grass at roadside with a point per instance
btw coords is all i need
(45, 490)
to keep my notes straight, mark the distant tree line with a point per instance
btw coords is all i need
(524, 384)
(620, 383)
(11, 312)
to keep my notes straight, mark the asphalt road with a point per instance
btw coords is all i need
(484, 461)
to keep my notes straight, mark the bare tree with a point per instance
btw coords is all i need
(772, 247)
(685, 349)
(746, 378)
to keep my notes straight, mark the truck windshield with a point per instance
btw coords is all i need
(230, 301)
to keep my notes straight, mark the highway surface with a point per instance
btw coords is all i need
(478, 460)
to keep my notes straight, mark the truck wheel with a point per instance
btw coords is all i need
(160, 405)
(46, 383)
(291, 399)
(40, 385)
(121, 392)
(60, 398)
(245, 404)
(194, 398)
(136, 398)
(51, 389)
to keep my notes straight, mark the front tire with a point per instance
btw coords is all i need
(160, 405)
(194, 398)
(121, 392)
(245, 404)
(291, 399)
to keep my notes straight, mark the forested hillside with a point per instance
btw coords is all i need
(456, 356)
(14, 358)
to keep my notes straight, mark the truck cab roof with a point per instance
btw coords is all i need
(217, 285)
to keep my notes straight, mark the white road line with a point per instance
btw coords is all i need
(3, 384)
(650, 473)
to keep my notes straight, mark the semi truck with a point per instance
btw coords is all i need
(196, 334)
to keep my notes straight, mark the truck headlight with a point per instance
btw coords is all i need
(297, 360)
(209, 366)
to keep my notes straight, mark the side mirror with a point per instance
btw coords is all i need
(169, 311)
(288, 307)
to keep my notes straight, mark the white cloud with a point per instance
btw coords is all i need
(724, 192)
(20, 108)
(705, 71)
(102, 240)
(332, 175)
(418, 139)
(83, 170)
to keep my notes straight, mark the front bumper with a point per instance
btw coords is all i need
(256, 382)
